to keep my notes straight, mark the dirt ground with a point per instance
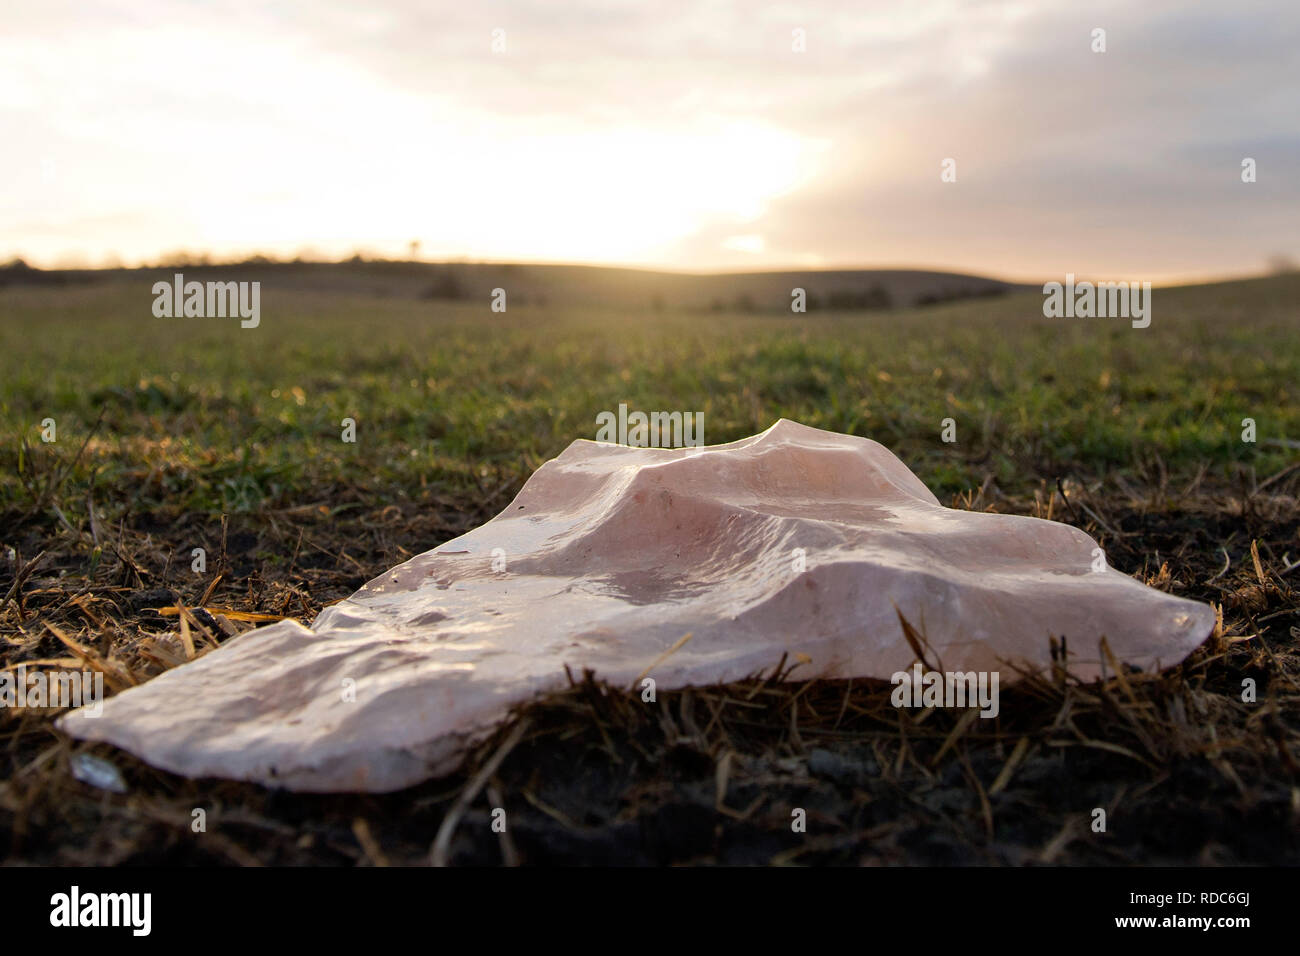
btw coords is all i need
(1187, 772)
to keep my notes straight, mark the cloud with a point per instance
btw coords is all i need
(659, 133)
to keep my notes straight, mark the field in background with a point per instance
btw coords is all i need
(198, 433)
(203, 415)
(631, 291)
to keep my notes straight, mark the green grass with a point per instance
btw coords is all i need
(229, 439)
(203, 416)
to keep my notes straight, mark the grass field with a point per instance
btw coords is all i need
(174, 434)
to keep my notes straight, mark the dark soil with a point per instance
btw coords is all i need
(1186, 771)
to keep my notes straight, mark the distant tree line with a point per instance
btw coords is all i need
(446, 285)
(954, 295)
(874, 297)
(18, 272)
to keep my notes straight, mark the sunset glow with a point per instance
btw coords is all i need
(685, 139)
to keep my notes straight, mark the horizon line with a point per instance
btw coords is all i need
(261, 258)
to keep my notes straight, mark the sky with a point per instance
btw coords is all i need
(679, 135)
